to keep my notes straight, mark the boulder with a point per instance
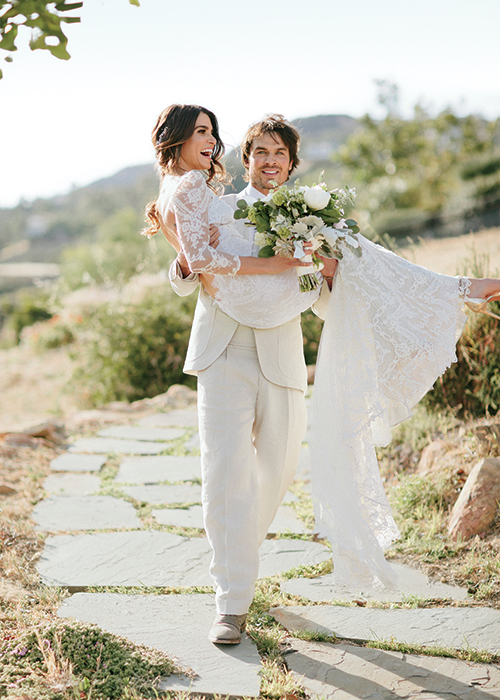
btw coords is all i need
(430, 457)
(476, 507)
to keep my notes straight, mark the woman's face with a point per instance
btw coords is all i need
(196, 152)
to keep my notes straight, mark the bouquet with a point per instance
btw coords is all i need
(289, 217)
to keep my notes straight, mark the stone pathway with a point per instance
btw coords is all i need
(95, 539)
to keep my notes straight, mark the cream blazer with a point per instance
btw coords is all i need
(279, 350)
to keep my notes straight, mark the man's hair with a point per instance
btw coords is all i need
(274, 125)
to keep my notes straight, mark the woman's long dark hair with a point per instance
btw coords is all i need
(175, 126)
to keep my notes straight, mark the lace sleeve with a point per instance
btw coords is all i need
(190, 205)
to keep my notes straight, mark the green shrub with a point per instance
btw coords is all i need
(27, 310)
(130, 351)
(311, 330)
(471, 386)
(52, 333)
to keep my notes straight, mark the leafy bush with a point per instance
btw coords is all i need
(130, 350)
(53, 333)
(116, 253)
(311, 330)
(25, 311)
(471, 386)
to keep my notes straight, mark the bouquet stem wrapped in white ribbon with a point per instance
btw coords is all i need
(290, 217)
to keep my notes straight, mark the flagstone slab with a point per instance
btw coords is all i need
(154, 558)
(180, 417)
(411, 582)
(136, 432)
(84, 513)
(453, 627)
(350, 672)
(285, 520)
(165, 493)
(193, 444)
(100, 445)
(180, 517)
(157, 494)
(153, 470)
(77, 463)
(177, 625)
(71, 484)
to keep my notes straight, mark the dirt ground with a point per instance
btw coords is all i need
(446, 255)
(35, 388)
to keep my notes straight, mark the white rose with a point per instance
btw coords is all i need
(316, 197)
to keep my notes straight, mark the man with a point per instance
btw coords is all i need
(251, 385)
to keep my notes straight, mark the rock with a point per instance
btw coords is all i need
(32, 436)
(22, 440)
(431, 455)
(6, 489)
(51, 431)
(177, 396)
(477, 504)
(489, 437)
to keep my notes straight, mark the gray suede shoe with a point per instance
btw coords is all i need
(227, 629)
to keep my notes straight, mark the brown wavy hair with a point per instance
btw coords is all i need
(175, 126)
(274, 125)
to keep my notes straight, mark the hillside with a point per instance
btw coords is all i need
(39, 231)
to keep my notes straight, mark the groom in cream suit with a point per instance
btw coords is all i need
(252, 415)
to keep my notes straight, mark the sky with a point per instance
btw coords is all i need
(64, 124)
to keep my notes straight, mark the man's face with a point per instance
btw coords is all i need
(268, 162)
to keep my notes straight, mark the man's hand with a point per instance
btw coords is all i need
(181, 258)
(329, 269)
(214, 235)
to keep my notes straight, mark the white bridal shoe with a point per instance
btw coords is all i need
(480, 306)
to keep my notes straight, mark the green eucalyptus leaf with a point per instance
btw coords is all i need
(351, 222)
(241, 204)
(266, 251)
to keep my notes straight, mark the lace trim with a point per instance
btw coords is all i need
(464, 287)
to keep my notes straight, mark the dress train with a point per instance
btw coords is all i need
(390, 330)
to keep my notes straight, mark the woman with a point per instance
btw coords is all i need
(390, 331)
(257, 292)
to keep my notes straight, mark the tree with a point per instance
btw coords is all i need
(414, 163)
(44, 18)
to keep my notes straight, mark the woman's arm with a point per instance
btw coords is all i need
(190, 206)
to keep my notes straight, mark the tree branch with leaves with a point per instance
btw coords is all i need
(46, 21)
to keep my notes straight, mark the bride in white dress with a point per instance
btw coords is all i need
(390, 331)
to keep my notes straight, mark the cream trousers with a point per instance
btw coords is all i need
(251, 433)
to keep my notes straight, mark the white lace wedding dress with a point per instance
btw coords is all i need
(390, 331)
(258, 301)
